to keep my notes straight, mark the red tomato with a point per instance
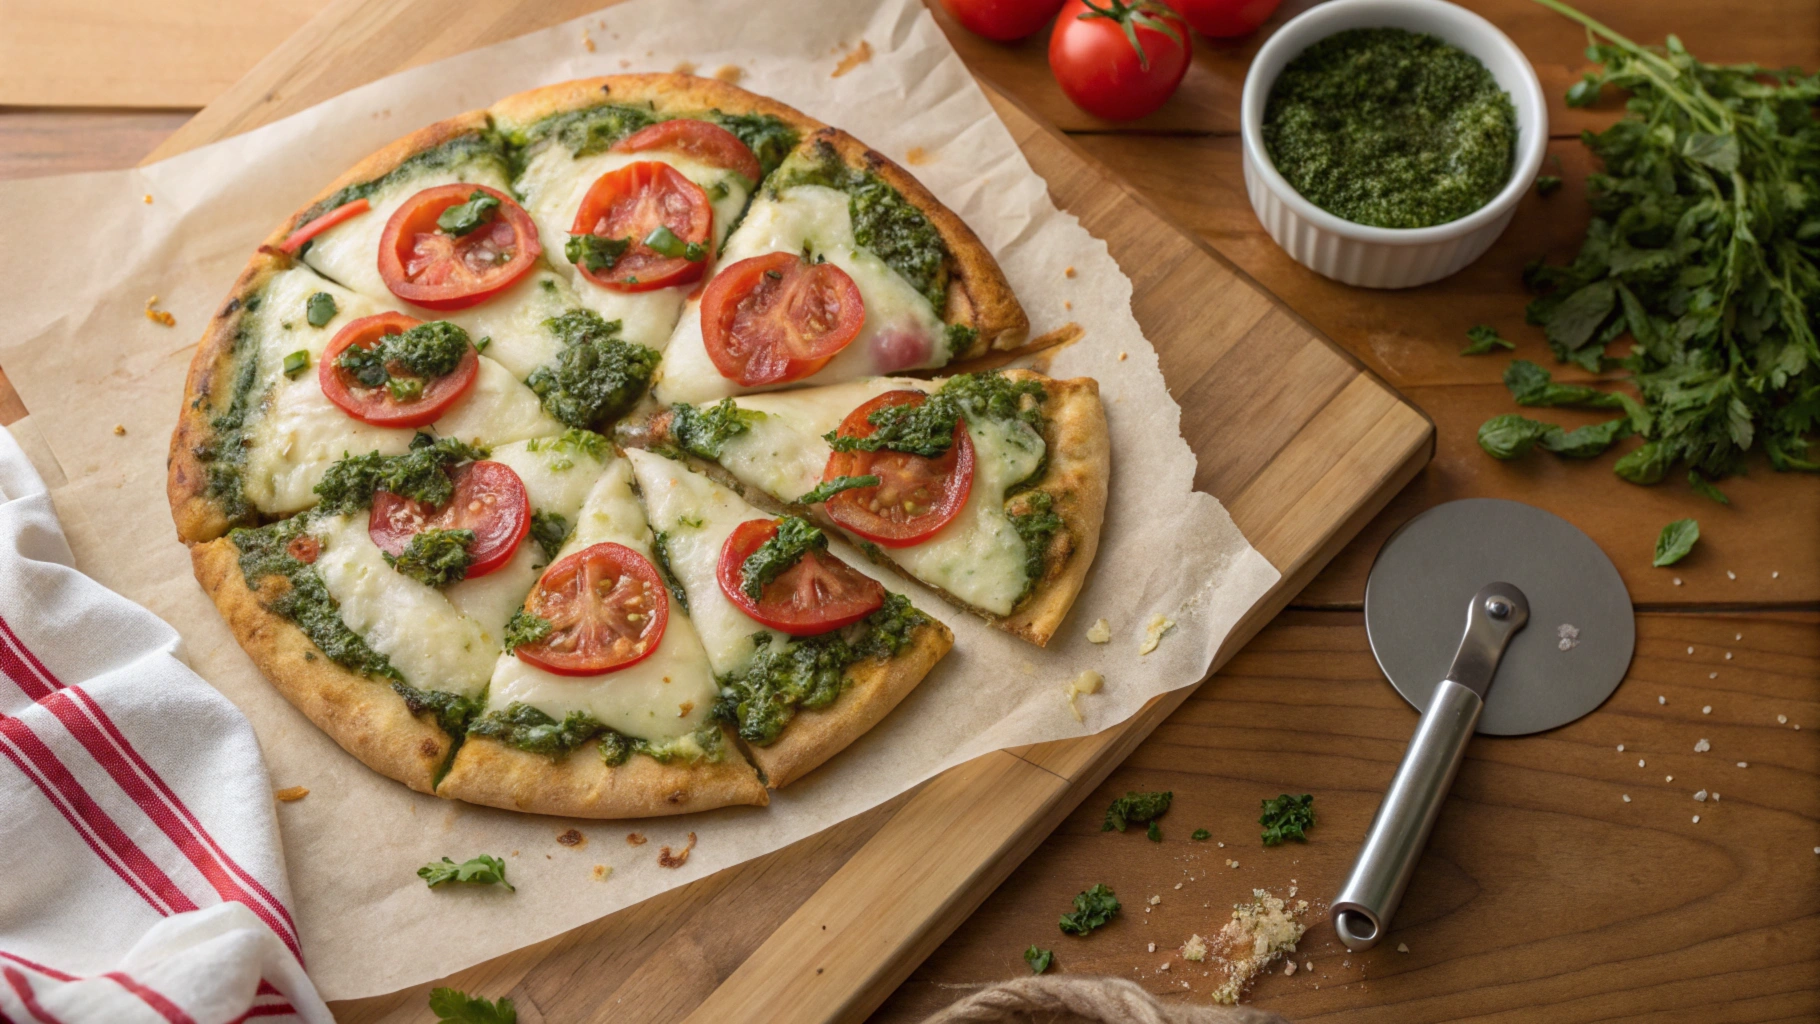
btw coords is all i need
(323, 223)
(709, 143)
(489, 499)
(915, 496)
(1004, 21)
(817, 595)
(1224, 19)
(304, 548)
(1096, 64)
(607, 609)
(634, 201)
(428, 267)
(376, 405)
(777, 318)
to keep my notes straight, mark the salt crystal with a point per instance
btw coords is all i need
(1715, 795)
(1737, 636)
(1569, 636)
(1730, 575)
(1164, 967)
(1661, 700)
(1627, 798)
(1154, 900)
(1707, 710)
(1696, 819)
(1690, 650)
(1712, 675)
(1639, 762)
(1782, 719)
(1671, 778)
(1620, 748)
(1775, 576)
(1700, 796)
(1728, 655)
(1151, 948)
(1677, 581)
(1702, 746)
(1401, 948)
(1743, 764)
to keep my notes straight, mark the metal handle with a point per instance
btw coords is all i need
(1393, 844)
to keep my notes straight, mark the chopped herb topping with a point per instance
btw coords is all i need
(829, 488)
(469, 155)
(296, 363)
(1136, 808)
(1154, 832)
(795, 537)
(1036, 525)
(705, 432)
(419, 474)
(1092, 909)
(586, 132)
(451, 710)
(267, 552)
(660, 549)
(665, 242)
(767, 136)
(482, 870)
(525, 628)
(529, 729)
(463, 218)
(426, 351)
(597, 375)
(320, 309)
(549, 530)
(960, 339)
(593, 253)
(883, 220)
(1287, 817)
(435, 557)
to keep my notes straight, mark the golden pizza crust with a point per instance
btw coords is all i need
(978, 294)
(366, 716)
(667, 94)
(874, 687)
(582, 785)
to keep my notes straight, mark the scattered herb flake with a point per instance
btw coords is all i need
(1092, 909)
(481, 870)
(320, 309)
(829, 488)
(1287, 817)
(1482, 339)
(1154, 833)
(1136, 808)
(1201, 835)
(1038, 959)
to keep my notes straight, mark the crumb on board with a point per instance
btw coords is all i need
(1088, 681)
(587, 40)
(854, 58)
(916, 156)
(1067, 304)
(625, 63)
(1701, 746)
(667, 859)
(684, 67)
(572, 837)
(1123, 356)
(600, 872)
(291, 794)
(1101, 632)
(730, 73)
(635, 839)
(1258, 934)
(1402, 948)
(119, 430)
(1153, 633)
(1069, 272)
(156, 315)
(148, 199)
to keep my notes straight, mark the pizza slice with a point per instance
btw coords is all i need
(810, 652)
(635, 180)
(989, 487)
(844, 267)
(603, 705)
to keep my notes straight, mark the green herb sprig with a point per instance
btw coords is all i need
(1675, 541)
(453, 1006)
(1092, 909)
(1287, 817)
(1038, 959)
(481, 870)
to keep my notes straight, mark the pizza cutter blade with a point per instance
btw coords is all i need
(1547, 618)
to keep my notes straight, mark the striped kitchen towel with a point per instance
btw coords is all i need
(143, 878)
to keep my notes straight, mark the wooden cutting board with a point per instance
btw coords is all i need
(1300, 443)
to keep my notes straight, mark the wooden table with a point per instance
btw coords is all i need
(1544, 895)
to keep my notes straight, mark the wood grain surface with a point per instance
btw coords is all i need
(1544, 896)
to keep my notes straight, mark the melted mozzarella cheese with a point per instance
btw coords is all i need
(432, 644)
(300, 433)
(553, 184)
(664, 697)
(978, 557)
(782, 452)
(901, 330)
(696, 515)
(491, 599)
(513, 321)
(349, 251)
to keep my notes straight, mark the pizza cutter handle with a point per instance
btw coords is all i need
(1393, 844)
(1399, 831)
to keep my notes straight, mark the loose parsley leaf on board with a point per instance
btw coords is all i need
(453, 1006)
(1154, 833)
(463, 218)
(1482, 339)
(795, 537)
(1201, 835)
(1675, 541)
(1586, 442)
(482, 870)
(1511, 436)
(1038, 959)
(1136, 808)
(1287, 817)
(1547, 185)
(1092, 909)
(320, 309)
(1705, 488)
(829, 488)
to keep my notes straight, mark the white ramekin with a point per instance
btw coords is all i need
(1388, 257)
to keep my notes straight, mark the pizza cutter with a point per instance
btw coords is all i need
(1465, 595)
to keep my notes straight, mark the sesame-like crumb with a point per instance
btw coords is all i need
(148, 199)
(1661, 700)
(1677, 581)
(635, 839)
(1069, 272)
(854, 58)
(291, 794)
(1707, 710)
(587, 40)
(600, 872)
(730, 73)
(1701, 745)
(916, 156)
(156, 315)
(1153, 633)
(1627, 798)
(119, 430)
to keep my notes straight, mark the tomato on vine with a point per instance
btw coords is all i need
(1119, 61)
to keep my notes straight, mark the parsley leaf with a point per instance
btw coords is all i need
(1483, 339)
(435, 557)
(320, 309)
(549, 530)
(1201, 835)
(1154, 833)
(428, 350)
(596, 376)
(1287, 817)
(463, 218)
(593, 253)
(525, 628)
(452, 1006)
(1136, 808)
(418, 474)
(1038, 959)
(795, 537)
(829, 488)
(1675, 541)
(1092, 909)
(1704, 487)
(1511, 436)
(482, 870)
(1547, 185)
(1585, 442)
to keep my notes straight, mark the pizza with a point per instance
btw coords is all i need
(571, 456)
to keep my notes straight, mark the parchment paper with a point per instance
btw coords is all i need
(83, 356)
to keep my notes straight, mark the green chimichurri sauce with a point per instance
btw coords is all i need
(1391, 129)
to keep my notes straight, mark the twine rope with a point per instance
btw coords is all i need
(1045, 1000)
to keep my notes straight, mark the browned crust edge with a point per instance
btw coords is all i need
(1076, 480)
(667, 93)
(979, 296)
(366, 717)
(582, 785)
(874, 688)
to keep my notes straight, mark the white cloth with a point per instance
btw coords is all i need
(142, 875)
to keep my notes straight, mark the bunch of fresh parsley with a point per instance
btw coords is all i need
(1705, 248)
